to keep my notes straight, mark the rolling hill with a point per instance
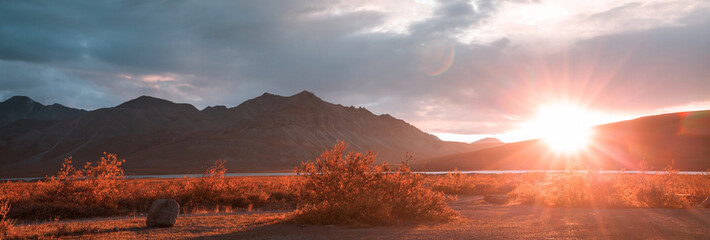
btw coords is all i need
(679, 138)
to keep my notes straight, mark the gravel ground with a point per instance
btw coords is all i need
(479, 220)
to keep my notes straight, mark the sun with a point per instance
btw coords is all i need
(564, 128)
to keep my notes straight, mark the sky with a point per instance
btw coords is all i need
(461, 70)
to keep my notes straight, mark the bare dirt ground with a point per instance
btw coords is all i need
(478, 220)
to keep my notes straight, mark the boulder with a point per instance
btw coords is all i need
(497, 199)
(163, 213)
(706, 202)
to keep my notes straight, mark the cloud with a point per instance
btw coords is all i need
(693, 106)
(462, 67)
(50, 85)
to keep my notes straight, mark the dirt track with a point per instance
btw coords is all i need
(482, 220)
(478, 220)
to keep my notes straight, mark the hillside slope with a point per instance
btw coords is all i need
(679, 138)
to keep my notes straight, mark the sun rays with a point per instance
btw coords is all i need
(565, 128)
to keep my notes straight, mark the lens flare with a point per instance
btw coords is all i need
(435, 58)
(565, 128)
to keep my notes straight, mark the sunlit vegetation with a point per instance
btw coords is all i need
(100, 189)
(216, 193)
(455, 183)
(6, 224)
(577, 187)
(339, 187)
(589, 188)
(349, 188)
(92, 190)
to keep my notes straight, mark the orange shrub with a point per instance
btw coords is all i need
(6, 224)
(575, 188)
(587, 188)
(348, 188)
(99, 189)
(97, 183)
(213, 190)
(91, 190)
(662, 190)
(477, 184)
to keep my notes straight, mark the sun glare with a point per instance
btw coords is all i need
(565, 128)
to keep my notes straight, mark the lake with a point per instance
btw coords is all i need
(273, 174)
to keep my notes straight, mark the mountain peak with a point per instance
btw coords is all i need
(306, 96)
(146, 102)
(19, 99)
(304, 93)
(22, 107)
(298, 98)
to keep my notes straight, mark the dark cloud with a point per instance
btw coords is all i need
(93, 54)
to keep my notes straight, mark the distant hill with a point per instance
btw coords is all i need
(682, 138)
(267, 133)
(21, 107)
(485, 143)
(488, 140)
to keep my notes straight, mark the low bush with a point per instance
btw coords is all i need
(588, 188)
(456, 183)
(214, 191)
(573, 188)
(100, 189)
(93, 190)
(664, 190)
(349, 188)
(6, 224)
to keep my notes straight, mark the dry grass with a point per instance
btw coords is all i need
(588, 188)
(583, 188)
(187, 226)
(348, 188)
(456, 183)
(99, 189)
(339, 188)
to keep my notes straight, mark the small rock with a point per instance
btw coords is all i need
(163, 213)
(497, 199)
(706, 203)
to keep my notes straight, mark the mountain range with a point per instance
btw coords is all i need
(157, 136)
(276, 133)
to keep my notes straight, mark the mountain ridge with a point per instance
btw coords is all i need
(266, 133)
(23, 107)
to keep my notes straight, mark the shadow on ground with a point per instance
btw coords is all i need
(482, 220)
